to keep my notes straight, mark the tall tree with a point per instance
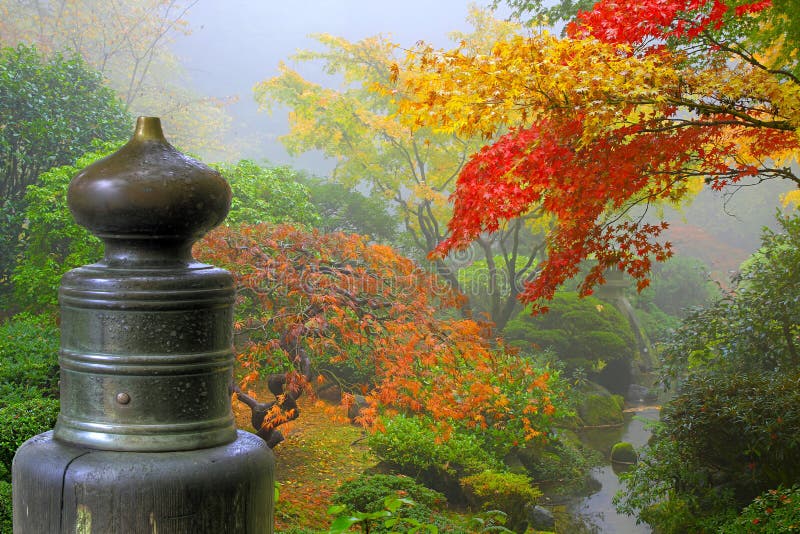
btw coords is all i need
(51, 110)
(641, 103)
(412, 166)
(128, 43)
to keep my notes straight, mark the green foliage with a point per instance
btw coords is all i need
(776, 511)
(733, 430)
(745, 426)
(346, 210)
(12, 219)
(654, 489)
(368, 492)
(504, 491)
(487, 283)
(755, 327)
(489, 521)
(576, 329)
(52, 109)
(388, 503)
(780, 24)
(28, 371)
(54, 243)
(722, 440)
(414, 445)
(267, 195)
(28, 358)
(391, 518)
(677, 285)
(23, 420)
(5, 507)
(535, 12)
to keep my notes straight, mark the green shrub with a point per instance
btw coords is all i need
(368, 494)
(745, 427)
(672, 516)
(5, 507)
(670, 490)
(396, 515)
(413, 445)
(504, 491)
(23, 420)
(776, 511)
(582, 332)
(54, 242)
(267, 195)
(733, 430)
(28, 358)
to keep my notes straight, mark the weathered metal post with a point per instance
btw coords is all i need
(145, 441)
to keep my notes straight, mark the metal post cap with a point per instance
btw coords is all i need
(146, 333)
(149, 189)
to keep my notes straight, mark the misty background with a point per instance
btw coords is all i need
(235, 44)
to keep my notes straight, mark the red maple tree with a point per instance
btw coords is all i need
(640, 103)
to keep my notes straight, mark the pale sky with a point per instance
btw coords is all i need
(236, 43)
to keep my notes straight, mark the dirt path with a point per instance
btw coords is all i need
(320, 452)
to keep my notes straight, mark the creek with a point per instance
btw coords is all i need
(596, 512)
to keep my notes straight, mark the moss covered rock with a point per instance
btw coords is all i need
(601, 409)
(624, 453)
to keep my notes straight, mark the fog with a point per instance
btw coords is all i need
(235, 44)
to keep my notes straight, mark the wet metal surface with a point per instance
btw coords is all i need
(146, 441)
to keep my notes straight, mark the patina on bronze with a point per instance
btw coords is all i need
(146, 350)
(145, 441)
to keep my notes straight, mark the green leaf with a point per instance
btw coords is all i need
(336, 509)
(342, 524)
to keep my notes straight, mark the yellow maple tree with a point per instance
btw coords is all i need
(412, 166)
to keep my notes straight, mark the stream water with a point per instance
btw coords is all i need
(596, 511)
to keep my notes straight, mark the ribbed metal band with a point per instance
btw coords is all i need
(146, 358)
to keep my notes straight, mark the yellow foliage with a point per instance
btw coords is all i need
(792, 198)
